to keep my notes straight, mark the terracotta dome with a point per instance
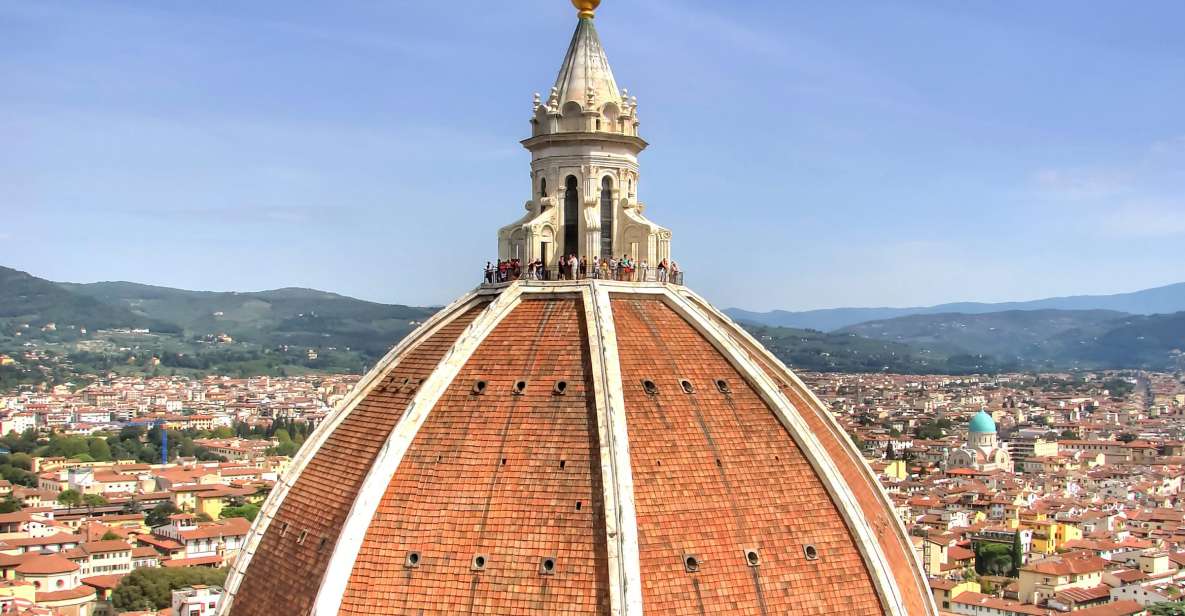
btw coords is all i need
(593, 446)
(587, 447)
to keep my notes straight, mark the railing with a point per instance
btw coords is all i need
(639, 274)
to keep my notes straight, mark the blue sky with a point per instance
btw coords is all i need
(805, 154)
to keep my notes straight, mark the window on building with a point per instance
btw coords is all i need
(571, 215)
(607, 217)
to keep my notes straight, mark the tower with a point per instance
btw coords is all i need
(579, 446)
(584, 148)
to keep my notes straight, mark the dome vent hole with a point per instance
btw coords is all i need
(649, 387)
(691, 563)
(283, 529)
(752, 557)
(478, 563)
(479, 388)
(578, 505)
(723, 386)
(810, 551)
(688, 388)
(519, 388)
(561, 388)
(304, 534)
(563, 463)
(412, 560)
(547, 565)
(321, 544)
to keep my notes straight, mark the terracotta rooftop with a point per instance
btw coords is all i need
(46, 564)
(1073, 564)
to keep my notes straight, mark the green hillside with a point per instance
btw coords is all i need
(1042, 339)
(1155, 342)
(296, 317)
(1020, 335)
(292, 330)
(808, 349)
(28, 302)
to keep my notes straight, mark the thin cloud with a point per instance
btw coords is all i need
(1144, 220)
(1133, 199)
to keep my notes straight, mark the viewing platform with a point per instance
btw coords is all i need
(650, 276)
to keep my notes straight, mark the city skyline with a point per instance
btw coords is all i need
(201, 149)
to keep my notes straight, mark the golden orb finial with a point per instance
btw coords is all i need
(587, 8)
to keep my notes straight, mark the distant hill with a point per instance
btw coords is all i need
(1012, 335)
(1161, 300)
(32, 301)
(273, 331)
(820, 351)
(290, 316)
(1042, 339)
(1155, 342)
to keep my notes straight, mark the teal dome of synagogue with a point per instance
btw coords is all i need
(982, 422)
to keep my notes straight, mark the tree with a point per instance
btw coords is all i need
(1069, 435)
(94, 500)
(100, 450)
(203, 517)
(22, 461)
(990, 558)
(288, 448)
(10, 505)
(1176, 608)
(1018, 554)
(247, 511)
(67, 446)
(110, 536)
(151, 588)
(70, 498)
(159, 516)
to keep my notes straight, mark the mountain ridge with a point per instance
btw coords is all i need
(1166, 299)
(299, 328)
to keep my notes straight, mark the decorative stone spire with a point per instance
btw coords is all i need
(585, 74)
(584, 148)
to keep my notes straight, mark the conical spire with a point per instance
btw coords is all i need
(585, 76)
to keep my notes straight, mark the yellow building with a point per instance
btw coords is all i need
(945, 590)
(1050, 535)
(185, 497)
(17, 592)
(216, 498)
(893, 469)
